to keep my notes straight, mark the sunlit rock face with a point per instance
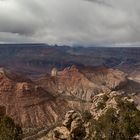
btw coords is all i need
(83, 83)
(44, 102)
(27, 103)
(72, 128)
(36, 103)
(54, 72)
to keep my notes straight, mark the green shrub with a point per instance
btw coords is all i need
(8, 130)
(87, 116)
(118, 126)
(101, 105)
(105, 98)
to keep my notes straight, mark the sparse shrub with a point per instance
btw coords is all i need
(101, 105)
(123, 125)
(9, 130)
(87, 116)
(105, 98)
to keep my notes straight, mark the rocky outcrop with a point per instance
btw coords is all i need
(43, 103)
(29, 104)
(111, 78)
(83, 83)
(72, 129)
(97, 122)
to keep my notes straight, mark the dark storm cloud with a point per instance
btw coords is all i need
(70, 21)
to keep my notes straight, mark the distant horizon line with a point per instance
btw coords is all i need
(79, 45)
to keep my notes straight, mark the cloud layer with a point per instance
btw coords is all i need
(70, 21)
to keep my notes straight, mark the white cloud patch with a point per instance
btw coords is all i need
(70, 21)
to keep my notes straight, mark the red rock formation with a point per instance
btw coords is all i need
(45, 101)
(84, 83)
(28, 104)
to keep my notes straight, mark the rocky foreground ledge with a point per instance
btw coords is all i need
(114, 117)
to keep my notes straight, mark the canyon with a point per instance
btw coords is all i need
(39, 105)
(36, 60)
(41, 84)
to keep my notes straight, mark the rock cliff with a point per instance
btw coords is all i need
(72, 129)
(27, 103)
(112, 116)
(83, 83)
(41, 104)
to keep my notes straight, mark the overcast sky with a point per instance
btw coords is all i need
(70, 21)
